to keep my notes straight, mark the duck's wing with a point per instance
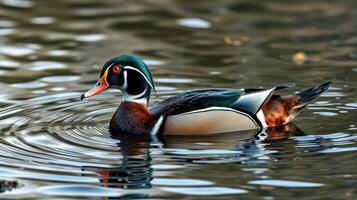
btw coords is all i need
(214, 110)
(276, 87)
(253, 99)
(197, 99)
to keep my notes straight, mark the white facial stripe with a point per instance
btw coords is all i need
(132, 68)
(132, 98)
(125, 85)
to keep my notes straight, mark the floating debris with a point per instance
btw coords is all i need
(299, 58)
(6, 185)
(236, 42)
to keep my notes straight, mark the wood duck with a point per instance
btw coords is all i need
(201, 111)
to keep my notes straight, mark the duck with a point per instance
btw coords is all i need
(194, 112)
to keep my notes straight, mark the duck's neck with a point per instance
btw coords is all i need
(135, 88)
(141, 98)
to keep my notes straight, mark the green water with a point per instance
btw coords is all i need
(58, 147)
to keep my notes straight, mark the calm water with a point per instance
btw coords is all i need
(58, 147)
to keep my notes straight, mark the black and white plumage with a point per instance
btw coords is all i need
(202, 111)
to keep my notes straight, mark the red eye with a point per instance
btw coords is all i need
(116, 69)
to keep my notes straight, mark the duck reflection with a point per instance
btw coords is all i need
(243, 147)
(231, 140)
(136, 171)
(279, 133)
(8, 185)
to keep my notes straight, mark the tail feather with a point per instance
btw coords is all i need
(280, 110)
(308, 95)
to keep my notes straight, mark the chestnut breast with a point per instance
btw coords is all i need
(132, 117)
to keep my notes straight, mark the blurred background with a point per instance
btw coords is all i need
(52, 51)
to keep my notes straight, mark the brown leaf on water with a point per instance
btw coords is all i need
(7, 185)
(299, 58)
(229, 40)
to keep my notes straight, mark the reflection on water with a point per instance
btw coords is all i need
(135, 171)
(53, 145)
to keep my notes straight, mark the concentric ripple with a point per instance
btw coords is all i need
(49, 133)
(58, 139)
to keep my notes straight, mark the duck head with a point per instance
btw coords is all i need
(127, 73)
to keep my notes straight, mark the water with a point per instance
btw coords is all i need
(57, 147)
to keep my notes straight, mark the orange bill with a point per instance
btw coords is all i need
(99, 87)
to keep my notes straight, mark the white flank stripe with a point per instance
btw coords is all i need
(212, 108)
(157, 126)
(261, 117)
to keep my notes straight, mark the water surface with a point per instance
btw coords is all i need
(58, 147)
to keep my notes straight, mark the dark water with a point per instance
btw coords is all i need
(58, 147)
